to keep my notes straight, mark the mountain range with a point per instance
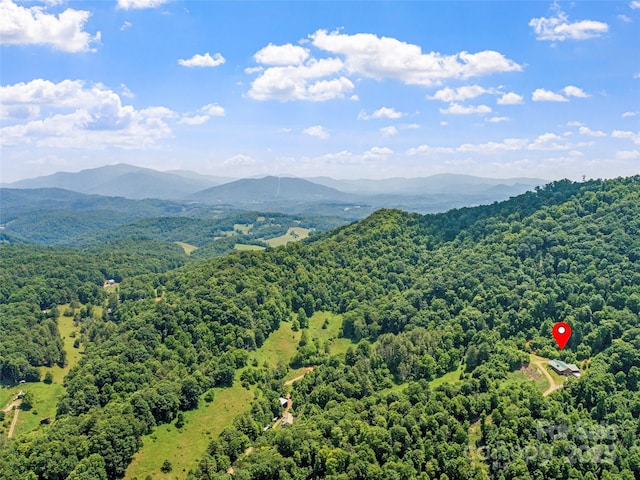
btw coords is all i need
(425, 194)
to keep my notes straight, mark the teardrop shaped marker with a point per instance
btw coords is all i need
(561, 332)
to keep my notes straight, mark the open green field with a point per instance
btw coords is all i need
(188, 248)
(6, 395)
(294, 234)
(66, 326)
(244, 247)
(45, 401)
(451, 377)
(244, 228)
(184, 447)
(530, 374)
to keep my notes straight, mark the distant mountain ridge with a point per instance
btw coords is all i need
(123, 180)
(268, 190)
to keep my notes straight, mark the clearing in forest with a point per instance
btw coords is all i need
(294, 234)
(188, 248)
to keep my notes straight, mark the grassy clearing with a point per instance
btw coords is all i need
(530, 374)
(244, 228)
(66, 327)
(294, 234)
(451, 377)
(279, 347)
(188, 248)
(244, 247)
(6, 395)
(330, 334)
(184, 447)
(45, 400)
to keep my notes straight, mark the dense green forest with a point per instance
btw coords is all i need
(419, 296)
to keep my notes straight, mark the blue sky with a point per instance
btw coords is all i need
(344, 89)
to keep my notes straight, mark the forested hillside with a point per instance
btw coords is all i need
(419, 296)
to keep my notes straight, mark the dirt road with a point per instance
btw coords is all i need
(541, 365)
(14, 422)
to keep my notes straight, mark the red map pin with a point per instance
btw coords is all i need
(562, 333)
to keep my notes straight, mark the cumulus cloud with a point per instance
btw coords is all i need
(33, 26)
(382, 112)
(377, 153)
(542, 95)
(281, 55)
(591, 133)
(317, 131)
(507, 145)
(459, 94)
(635, 4)
(510, 98)
(389, 131)
(497, 119)
(294, 74)
(572, 91)
(302, 82)
(457, 109)
(634, 137)
(70, 114)
(126, 26)
(140, 4)
(205, 60)
(385, 57)
(629, 114)
(559, 28)
(213, 110)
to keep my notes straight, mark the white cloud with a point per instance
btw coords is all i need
(281, 55)
(317, 131)
(126, 26)
(384, 57)
(629, 114)
(125, 92)
(294, 82)
(497, 119)
(457, 109)
(625, 18)
(634, 4)
(389, 131)
(428, 150)
(33, 26)
(205, 60)
(627, 154)
(510, 98)
(591, 133)
(572, 91)
(507, 145)
(459, 94)
(634, 137)
(377, 153)
(542, 95)
(213, 110)
(558, 28)
(70, 114)
(139, 4)
(195, 120)
(382, 112)
(549, 141)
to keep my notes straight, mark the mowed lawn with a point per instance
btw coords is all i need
(66, 327)
(244, 247)
(45, 401)
(184, 447)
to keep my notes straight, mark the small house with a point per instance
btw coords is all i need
(565, 369)
(45, 421)
(283, 401)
